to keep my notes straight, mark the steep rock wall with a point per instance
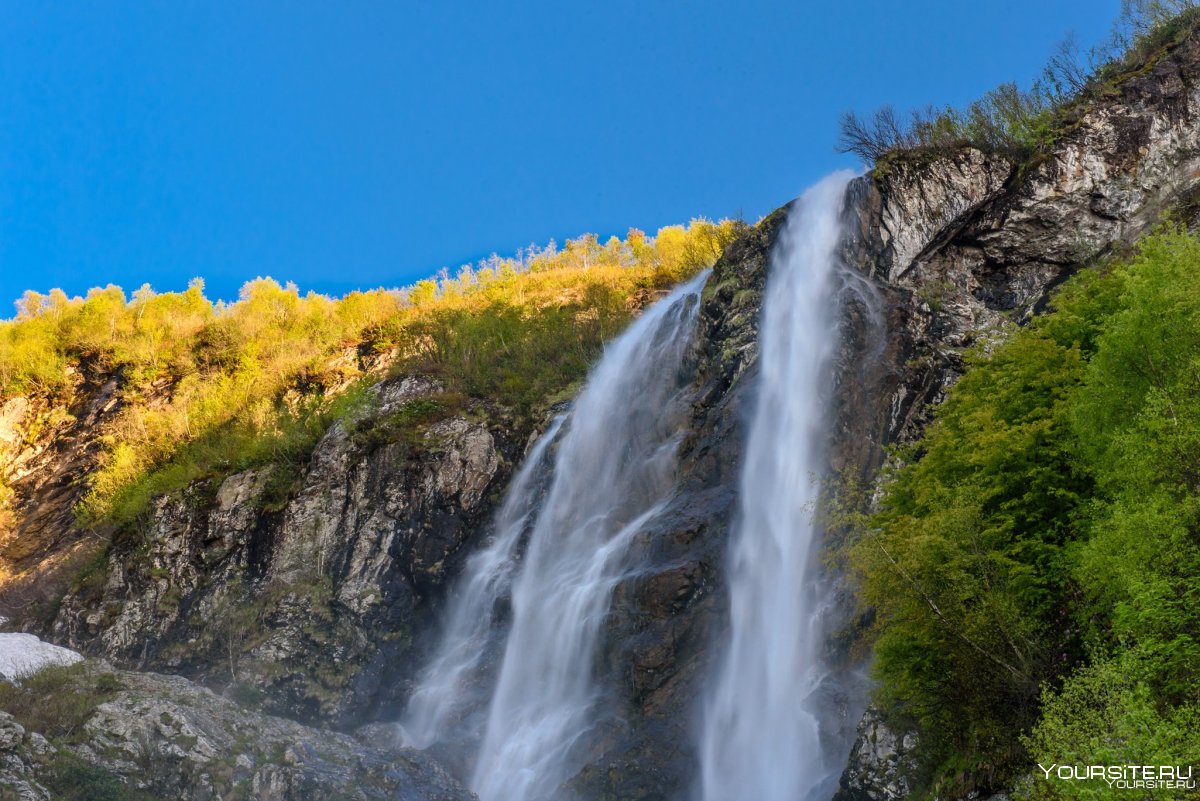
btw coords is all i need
(310, 609)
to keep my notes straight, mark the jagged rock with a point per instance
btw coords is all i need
(318, 601)
(926, 199)
(20, 753)
(169, 738)
(12, 419)
(17, 762)
(881, 763)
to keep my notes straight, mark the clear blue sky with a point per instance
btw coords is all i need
(347, 145)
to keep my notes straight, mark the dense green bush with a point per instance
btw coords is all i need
(1049, 520)
(1106, 714)
(70, 778)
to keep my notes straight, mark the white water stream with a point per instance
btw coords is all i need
(762, 730)
(614, 466)
(449, 686)
(592, 481)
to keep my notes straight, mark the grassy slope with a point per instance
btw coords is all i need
(208, 389)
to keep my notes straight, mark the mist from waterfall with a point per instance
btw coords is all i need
(762, 733)
(559, 552)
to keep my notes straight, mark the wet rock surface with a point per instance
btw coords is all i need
(881, 763)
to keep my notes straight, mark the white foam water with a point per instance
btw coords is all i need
(450, 684)
(761, 736)
(613, 468)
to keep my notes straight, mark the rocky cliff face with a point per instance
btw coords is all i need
(315, 607)
(310, 608)
(968, 242)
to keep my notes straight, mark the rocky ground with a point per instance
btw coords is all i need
(91, 731)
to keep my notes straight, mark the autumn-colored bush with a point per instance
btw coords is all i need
(209, 388)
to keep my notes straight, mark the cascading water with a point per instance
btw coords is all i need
(614, 467)
(448, 685)
(762, 728)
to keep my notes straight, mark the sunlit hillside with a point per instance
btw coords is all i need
(208, 388)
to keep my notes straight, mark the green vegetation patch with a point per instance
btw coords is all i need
(1034, 563)
(408, 422)
(70, 778)
(57, 700)
(206, 390)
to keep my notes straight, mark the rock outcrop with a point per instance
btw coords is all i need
(312, 607)
(149, 736)
(881, 763)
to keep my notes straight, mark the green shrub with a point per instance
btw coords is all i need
(70, 778)
(57, 700)
(965, 562)
(1105, 714)
(1048, 520)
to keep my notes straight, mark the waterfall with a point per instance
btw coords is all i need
(762, 733)
(613, 468)
(449, 685)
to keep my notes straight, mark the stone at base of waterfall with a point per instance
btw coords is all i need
(24, 654)
(882, 763)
